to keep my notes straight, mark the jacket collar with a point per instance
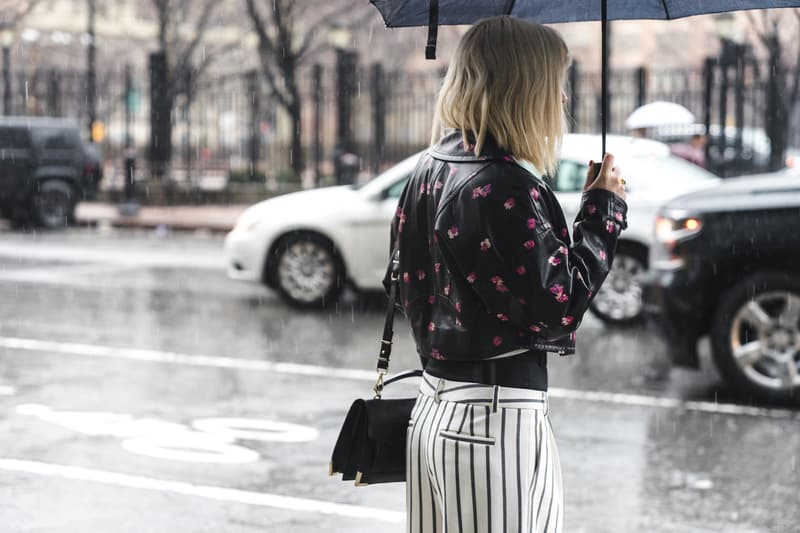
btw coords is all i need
(451, 148)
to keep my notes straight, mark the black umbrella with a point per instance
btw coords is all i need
(432, 13)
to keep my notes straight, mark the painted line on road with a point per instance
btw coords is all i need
(7, 391)
(638, 400)
(155, 356)
(203, 491)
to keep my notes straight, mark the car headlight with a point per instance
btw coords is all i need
(669, 231)
(248, 221)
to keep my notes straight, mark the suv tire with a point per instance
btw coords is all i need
(308, 272)
(53, 204)
(755, 336)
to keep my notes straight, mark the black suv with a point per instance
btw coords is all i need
(727, 264)
(45, 169)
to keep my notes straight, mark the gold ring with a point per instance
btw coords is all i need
(622, 181)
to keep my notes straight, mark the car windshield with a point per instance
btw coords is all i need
(650, 173)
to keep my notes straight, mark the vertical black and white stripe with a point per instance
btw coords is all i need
(481, 459)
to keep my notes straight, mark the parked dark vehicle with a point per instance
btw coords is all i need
(45, 169)
(727, 264)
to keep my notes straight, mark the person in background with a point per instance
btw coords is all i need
(693, 150)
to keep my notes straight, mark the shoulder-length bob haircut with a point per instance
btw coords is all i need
(506, 79)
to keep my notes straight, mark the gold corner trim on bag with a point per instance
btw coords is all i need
(330, 469)
(358, 480)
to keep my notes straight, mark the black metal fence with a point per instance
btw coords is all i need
(232, 124)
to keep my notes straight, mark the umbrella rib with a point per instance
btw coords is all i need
(509, 6)
(666, 9)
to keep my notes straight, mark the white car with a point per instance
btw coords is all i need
(308, 244)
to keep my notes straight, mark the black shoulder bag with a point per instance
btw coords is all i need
(371, 447)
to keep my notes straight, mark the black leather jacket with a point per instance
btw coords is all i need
(486, 261)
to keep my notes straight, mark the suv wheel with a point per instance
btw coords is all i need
(54, 204)
(619, 301)
(308, 273)
(756, 336)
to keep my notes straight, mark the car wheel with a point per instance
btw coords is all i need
(308, 272)
(54, 204)
(619, 301)
(755, 337)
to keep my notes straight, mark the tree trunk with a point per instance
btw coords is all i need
(297, 139)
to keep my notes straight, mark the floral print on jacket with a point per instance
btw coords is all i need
(487, 262)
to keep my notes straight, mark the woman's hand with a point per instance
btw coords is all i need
(608, 178)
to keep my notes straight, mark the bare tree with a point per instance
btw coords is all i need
(289, 32)
(773, 33)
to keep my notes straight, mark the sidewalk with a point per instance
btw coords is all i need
(216, 218)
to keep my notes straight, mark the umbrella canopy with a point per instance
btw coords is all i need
(658, 114)
(432, 13)
(400, 13)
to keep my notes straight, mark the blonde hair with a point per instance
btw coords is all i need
(506, 79)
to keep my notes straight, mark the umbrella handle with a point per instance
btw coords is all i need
(597, 166)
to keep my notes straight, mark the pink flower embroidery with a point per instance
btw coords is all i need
(422, 188)
(523, 301)
(573, 336)
(406, 278)
(557, 288)
(563, 249)
(531, 223)
(567, 320)
(564, 232)
(453, 232)
(435, 238)
(555, 261)
(535, 193)
(610, 226)
(603, 255)
(521, 270)
(420, 274)
(458, 322)
(453, 170)
(534, 328)
(471, 277)
(431, 326)
(561, 298)
(618, 216)
(436, 355)
(485, 245)
(590, 294)
(447, 290)
(507, 158)
(431, 299)
(481, 192)
(497, 341)
(437, 267)
(499, 284)
(510, 203)
(502, 317)
(458, 307)
(591, 208)
(529, 244)
(438, 185)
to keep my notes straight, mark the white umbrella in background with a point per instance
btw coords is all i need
(658, 114)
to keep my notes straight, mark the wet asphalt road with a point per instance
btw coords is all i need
(140, 390)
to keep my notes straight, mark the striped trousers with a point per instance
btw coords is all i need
(481, 459)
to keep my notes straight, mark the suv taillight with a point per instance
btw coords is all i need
(669, 231)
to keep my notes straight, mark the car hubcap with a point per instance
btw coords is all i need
(54, 207)
(620, 297)
(765, 340)
(306, 271)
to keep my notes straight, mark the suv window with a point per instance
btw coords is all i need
(14, 138)
(569, 177)
(56, 139)
(397, 189)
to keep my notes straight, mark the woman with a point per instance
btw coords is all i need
(491, 282)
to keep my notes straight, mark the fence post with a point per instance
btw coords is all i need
(255, 118)
(378, 117)
(160, 108)
(641, 86)
(53, 93)
(574, 81)
(316, 80)
(775, 110)
(7, 102)
(128, 104)
(708, 86)
(346, 62)
(740, 50)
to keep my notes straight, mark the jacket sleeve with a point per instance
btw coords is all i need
(500, 234)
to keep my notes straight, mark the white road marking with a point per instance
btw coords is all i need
(203, 491)
(639, 400)
(7, 391)
(254, 429)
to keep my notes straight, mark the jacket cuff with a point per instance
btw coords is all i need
(602, 204)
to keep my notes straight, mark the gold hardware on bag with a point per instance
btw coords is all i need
(379, 385)
(358, 480)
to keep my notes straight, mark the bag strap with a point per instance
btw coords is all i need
(388, 325)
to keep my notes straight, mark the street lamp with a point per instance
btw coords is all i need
(6, 40)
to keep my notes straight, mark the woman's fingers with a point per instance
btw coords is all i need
(608, 178)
